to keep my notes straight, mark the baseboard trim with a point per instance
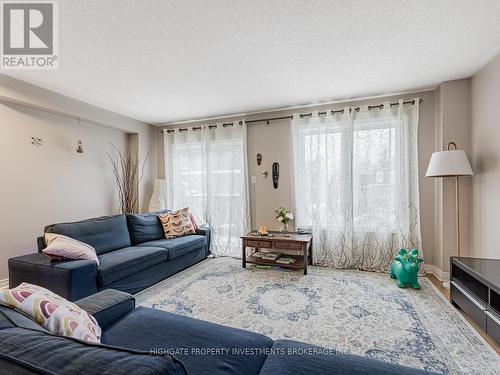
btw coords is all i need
(440, 275)
(4, 282)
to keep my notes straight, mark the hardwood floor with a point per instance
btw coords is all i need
(446, 293)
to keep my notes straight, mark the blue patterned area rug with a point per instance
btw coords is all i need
(357, 312)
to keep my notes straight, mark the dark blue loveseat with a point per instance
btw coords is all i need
(146, 341)
(132, 250)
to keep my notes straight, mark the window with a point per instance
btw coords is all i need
(206, 171)
(356, 184)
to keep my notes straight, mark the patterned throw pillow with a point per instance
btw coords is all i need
(69, 248)
(195, 226)
(177, 223)
(54, 313)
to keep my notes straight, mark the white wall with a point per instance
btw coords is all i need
(53, 183)
(453, 124)
(486, 160)
(14, 88)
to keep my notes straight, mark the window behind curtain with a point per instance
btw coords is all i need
(356, 184)
(187, 178)
(206, 171)
(375, 188)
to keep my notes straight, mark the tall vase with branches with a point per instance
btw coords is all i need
(128, 175)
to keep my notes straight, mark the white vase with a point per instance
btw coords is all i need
(158, 200)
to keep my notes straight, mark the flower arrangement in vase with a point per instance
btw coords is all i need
(283, 215)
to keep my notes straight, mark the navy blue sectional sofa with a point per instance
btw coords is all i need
(147, 341)
(132, 250)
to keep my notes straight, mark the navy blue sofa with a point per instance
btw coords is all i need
(147, 341)
(132, 250)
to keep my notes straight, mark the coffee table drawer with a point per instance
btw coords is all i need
(287, 245)
(259, 243)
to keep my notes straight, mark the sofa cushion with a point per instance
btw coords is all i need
(144, 279)
(145, 227)
(179, 246)
(104, 234)
(61, 355)
(128, 261)
(292, 357)
(203, 347)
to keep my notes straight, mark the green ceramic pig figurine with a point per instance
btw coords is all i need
(405, 267)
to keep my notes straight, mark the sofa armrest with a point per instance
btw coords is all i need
(71, 279)
(205, 230)
(107, 306)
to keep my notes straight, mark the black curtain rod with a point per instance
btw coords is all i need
(194, 128)
(370, 107)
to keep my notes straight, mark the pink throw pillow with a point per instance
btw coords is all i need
(68, 248)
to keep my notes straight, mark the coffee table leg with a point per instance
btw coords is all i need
(306, 257)
(311, 253)
(244, 255)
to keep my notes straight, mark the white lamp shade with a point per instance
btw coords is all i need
(449, 163)
(158, 199)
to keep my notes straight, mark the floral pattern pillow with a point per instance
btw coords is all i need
(54, 313)
(177, 223)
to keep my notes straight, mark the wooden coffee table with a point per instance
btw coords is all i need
(293, 245)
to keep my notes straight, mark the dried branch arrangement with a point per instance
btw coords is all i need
(128, 176)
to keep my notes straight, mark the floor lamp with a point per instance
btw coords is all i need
(451, 163)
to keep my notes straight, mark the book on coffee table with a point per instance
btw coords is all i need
(286, 260)
(271, 256)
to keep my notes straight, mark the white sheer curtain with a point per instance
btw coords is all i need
(206, 170)
(356, 184)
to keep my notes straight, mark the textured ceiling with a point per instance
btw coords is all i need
(163, 61)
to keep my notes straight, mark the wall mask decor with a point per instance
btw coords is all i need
(276, 174)
(259, 158)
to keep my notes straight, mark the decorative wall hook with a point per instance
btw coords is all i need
(36, 141)
(265, 174)
(79, 147)
(259, 158)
